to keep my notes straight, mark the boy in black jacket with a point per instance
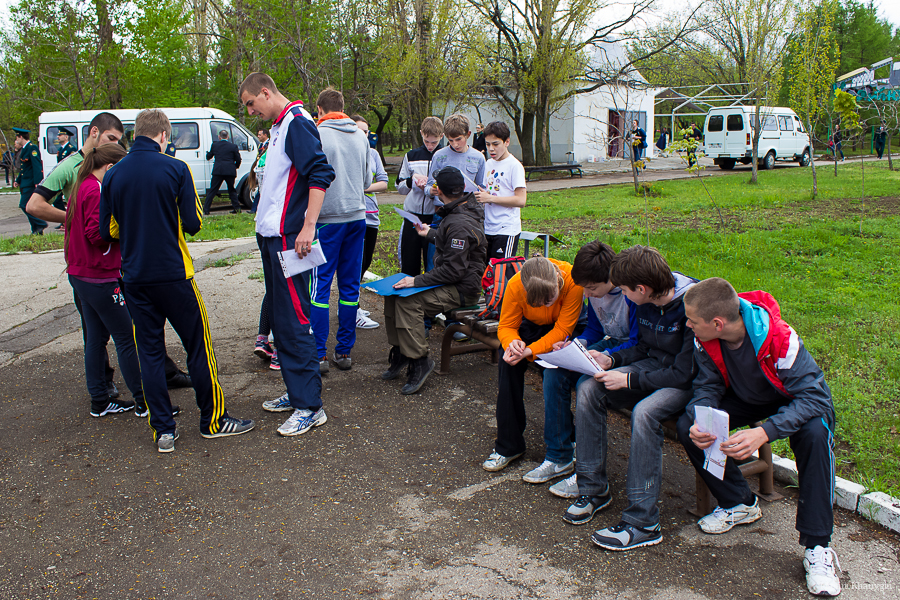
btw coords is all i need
(653, 380)
(459, 259)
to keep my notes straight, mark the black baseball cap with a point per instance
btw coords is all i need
(450, 181)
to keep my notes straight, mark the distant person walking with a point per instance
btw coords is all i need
(836, 139)
(663, 140)
(693, 134)
(228, 159)
(639, 135)
(880, 137)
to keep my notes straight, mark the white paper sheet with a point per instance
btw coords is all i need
(408, 216)
(573, 358)
(292, 264)
(714, 421)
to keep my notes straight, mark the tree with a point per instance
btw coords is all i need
(815, 57)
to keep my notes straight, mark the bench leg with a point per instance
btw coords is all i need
(704, 498)
(767, 477)
(448, 350)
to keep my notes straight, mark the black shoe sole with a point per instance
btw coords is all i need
(262, 354)
(587, 519)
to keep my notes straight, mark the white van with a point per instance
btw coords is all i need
(193, 131)
(728, 136)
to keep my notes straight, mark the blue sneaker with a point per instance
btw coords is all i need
(626, 536)
(279, 404)
(302, 421)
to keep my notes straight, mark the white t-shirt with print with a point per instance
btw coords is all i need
(501, 178)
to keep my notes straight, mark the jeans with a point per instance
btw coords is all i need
(559, 423)
(104, 314)
(593, 402)
(813, 446)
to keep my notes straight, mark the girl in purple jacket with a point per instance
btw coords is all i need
(93, 267)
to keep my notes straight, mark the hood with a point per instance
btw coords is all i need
(344, 124)
(757, 310)
(466, 204)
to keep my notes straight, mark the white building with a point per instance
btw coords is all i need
(589, 125)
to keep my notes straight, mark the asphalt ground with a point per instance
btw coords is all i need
(386, 500)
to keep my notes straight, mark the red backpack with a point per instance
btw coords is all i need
(494, 281)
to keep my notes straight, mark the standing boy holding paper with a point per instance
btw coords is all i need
(754, 366)
(459, 259)
(504, 193)
(412, 248)
(291, 195)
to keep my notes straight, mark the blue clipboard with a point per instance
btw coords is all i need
(385, 287)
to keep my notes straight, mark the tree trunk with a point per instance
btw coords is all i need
(812, 160)
(526, 138)
(107, 50)
(542, 155)
(890, 162)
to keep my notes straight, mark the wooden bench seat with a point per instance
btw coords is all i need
(573, 169)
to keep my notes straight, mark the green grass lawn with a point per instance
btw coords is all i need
(833, 263)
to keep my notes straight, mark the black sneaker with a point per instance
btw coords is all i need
(626, 536)
(419, 370)
(229, 426)
(585, 507)
(141, 410)
(396, 362)
(179, 380)
(119, 406)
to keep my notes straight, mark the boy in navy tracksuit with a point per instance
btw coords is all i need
(297, 175)
(653, 380)
(148, 202)
(754, 366)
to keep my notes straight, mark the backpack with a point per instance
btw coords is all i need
(494, 281)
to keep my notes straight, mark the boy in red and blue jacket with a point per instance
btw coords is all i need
(754, 366)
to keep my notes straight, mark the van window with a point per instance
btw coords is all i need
(716, 122)
(186, 136)
(799, 124)
(784, 124)
(52, 132)
(127, 139)
(235, 135)
(735, 122)
(770, 123)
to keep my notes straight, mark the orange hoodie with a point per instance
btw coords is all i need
(563, 314)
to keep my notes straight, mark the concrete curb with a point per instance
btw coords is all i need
(875, 506)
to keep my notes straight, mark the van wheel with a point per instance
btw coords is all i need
(769, 161)
(805, 158)
(726, 164)
(244, 196)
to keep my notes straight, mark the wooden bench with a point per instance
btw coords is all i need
(573, 169)
(484, 331)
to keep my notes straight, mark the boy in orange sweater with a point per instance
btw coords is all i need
(541, 306)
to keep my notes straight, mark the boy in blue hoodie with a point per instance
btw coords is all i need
(653, 380)
(754, 366)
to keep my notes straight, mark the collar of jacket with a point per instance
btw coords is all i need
(144, 144)
(448, 208)
(331, 115)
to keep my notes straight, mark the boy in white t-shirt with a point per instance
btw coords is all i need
(504, 193)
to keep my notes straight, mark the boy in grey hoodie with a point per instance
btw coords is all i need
(341, 227)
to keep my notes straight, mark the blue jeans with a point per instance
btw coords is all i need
(104, 314)
(593, 401)
(559, 424)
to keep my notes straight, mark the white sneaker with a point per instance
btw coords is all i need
(363, 312)
(302, 421)
(821, 576)
(567, 488)
(498, 462)
(547, 471)
(723, 519)
(363, 321)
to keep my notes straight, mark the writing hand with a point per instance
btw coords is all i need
(561, 345)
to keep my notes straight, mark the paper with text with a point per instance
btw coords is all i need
(714, 421)
(574, 358)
